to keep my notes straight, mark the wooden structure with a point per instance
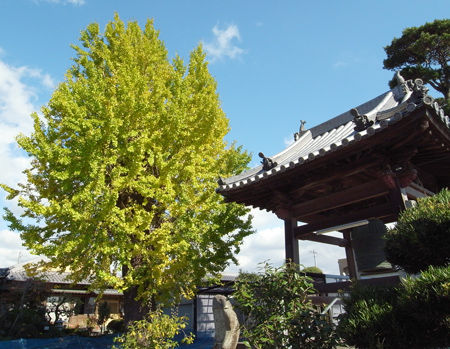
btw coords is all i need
(365, 164)
(56, 285)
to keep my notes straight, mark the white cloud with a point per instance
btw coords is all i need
(16, 105)
(11, 250)
(267, 244)
(63, 2)
(45, 79)
(223, 46)
(288, 141)
(18, 100)
(19, 87)
(346, 59)
(76, 2)
(48, 81)
(326, 255)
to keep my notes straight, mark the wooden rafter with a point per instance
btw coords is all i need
(379, 211)
(345, 197)
(331, 240)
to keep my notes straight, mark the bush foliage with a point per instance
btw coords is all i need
(416, 313)
(422, 235)
(156, 331)
(412, 315)
(22, 311)
(278, 312)
(312, 269)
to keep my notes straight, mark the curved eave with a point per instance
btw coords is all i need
(385, 112)
(335, 146)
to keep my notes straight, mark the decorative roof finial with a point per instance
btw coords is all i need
(301, 131)
(362, 121)
(267, 163)
(399, 78)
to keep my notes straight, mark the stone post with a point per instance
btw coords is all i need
(226, 324)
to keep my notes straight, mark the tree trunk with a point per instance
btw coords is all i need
(133, 309)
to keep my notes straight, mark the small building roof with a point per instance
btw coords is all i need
(342, 131)
(18, 273)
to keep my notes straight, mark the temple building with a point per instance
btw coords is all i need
(353, 174)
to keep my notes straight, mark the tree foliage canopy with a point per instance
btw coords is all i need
(125, 160)
(423, 52)
(422, 235)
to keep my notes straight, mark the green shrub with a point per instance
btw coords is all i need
(312, 269)
(422, 235)
(156, 331)
(22, 311)
(278, 312)
(424, 308)
(368, 318)
(416, 314)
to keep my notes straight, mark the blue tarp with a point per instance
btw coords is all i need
(76, 342)
(69, 342)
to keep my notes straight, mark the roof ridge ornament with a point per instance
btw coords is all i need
(301, 131)
(419, 88)
(362, 122)
(267, 163)
(399, 78)
(403, 84)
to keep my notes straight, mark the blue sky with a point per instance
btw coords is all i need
(275, 63)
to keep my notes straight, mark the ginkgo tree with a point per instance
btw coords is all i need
(125, 162)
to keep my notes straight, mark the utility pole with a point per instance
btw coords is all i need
(314, 252)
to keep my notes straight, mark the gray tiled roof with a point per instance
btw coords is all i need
(339, 132)
(228, 277)
(107, 292)
(18, 273)
(4, 272)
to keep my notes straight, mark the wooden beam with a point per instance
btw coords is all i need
(263, 195)
(417, 191)
(324, 223)
(331, 240)
(334, 287)
(342, 198)
(341, 172)
(437, 124)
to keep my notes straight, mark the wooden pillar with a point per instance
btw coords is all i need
(351, 263)
(398, 198)
(290, 242)
(194, 314)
